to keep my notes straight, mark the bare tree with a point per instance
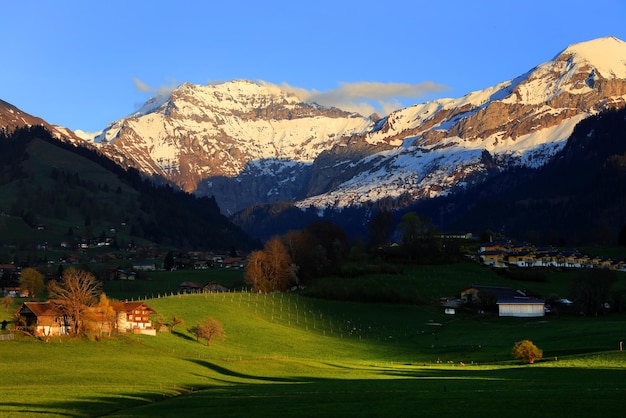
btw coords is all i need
(77, 291)
(208, 329)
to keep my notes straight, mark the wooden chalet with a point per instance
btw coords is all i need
(233, 262)
(215, 287)
(190, 287)
(134, 317)
(201, 265)
(493, 258)
(45, 318)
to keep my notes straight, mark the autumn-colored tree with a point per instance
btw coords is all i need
(208, 329)
(76, 291)
(175, 321)
(254, 273)
(108, 316)
(7, 301)
(270, 269)
(158, 321)
(31, 281)
(526, 351)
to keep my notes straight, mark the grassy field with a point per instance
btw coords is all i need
(289, 355)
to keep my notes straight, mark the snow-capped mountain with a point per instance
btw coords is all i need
(247, 143)
(201, 134)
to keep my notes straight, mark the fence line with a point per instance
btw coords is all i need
(6, 337)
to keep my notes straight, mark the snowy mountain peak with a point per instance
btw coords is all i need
(607, 55)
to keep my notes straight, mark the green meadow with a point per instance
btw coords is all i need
(288, 355)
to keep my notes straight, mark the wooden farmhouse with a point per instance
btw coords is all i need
(190, 287)
(134, 317)
(214, 287)
(46, 318)
(49, 318)
(210, 287)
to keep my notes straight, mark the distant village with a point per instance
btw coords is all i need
(503, 254)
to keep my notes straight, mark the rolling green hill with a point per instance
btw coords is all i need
(287, 355)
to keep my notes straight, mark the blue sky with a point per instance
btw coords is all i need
(83, 64)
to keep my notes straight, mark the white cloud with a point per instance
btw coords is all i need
(155, 91)
(367, 97)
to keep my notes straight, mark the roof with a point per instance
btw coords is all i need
(129, 306)
(503, 293)
(520, 302)
(215, 283)
(193, 285)
(48, 308)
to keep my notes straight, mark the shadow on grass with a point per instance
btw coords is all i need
(427, 392)
(231, 373)
(183, 336)
(89, 407)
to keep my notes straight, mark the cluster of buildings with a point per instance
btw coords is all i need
(504, 254)
(50, 318)
(509, 301)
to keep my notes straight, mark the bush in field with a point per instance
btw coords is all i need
(526, 351)
(208, 329)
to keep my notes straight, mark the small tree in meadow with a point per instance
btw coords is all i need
(526, 351)
(158, 321)
(175, 321)
(208, 329)
(7, 302)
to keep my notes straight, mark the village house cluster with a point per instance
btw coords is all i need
(49, 319)
(503, 254)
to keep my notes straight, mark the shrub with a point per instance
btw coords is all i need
(526, 351)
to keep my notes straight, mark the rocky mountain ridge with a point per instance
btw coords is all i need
(445, 144)
(11, 118)
(199, 133)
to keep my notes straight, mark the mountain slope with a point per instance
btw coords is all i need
(12, 118)
(79, 194)
(579, 197)
(442, 145)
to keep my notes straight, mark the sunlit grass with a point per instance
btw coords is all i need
(287, 355)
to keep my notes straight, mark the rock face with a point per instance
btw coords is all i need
(241, 141)
(248, 143)
(445, 144)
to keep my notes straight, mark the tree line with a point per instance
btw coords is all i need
(321, 249)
